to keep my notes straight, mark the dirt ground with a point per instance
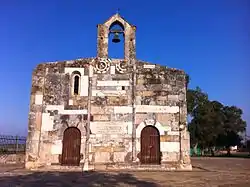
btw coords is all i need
(223, 172)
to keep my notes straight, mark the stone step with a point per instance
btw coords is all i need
(141, 167)
(64, 168)
(171, 166)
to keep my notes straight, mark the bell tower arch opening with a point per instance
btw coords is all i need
(116, 40)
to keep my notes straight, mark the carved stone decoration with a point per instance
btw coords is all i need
(150, 122)
(121, 67)
(102, 65)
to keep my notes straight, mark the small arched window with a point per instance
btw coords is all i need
(76, 78)
(76, 85)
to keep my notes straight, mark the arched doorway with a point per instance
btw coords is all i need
(71, 147)
(150, 145)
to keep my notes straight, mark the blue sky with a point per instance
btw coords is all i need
(208, 39)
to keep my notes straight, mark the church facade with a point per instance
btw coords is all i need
(112, 112)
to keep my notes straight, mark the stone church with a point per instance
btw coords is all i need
(114, 113)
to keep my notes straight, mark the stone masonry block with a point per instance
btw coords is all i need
(169, 138)
(101, 117)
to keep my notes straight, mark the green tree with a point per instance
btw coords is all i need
(196, 99)
(233, 124)
(206, 124)
(213, 124)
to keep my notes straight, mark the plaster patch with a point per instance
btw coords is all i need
(123, 109)
(167, 128)
(84, 111)
(113, 83)
(112, 70)
(91, 71)
(109, 127)
(156, 109)
(56, 147)
(119, 88)
(92, 136)
(84, 86)
(90, 148)
(59, 108)
(130, 127)
(173, 133)
(108, 93)
(150, 66)
(39, 99)
(70, 102)
(138, 99)
(47, 122)
(170, 146)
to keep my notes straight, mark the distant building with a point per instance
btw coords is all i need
(117, 112)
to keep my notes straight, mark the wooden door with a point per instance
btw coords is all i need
(71, 147)
(150, 145)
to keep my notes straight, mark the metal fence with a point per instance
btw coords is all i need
(12, 144)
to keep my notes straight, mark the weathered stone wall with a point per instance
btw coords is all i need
(116, 99)
(111, 98)
(53, 108)
(160, 94)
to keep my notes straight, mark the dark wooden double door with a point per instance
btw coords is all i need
(71, 147)
(150, 145)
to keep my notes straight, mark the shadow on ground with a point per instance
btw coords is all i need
(41, 179)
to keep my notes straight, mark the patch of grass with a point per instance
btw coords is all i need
(235, 155)
(232, 155)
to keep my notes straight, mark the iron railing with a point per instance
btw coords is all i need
(12, 144)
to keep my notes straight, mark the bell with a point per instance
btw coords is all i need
(116, 38)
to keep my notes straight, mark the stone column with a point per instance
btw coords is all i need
(185, 150)
(35, 118)
(184, 140)
(102, 41)
(86, 162)
(133, 111)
